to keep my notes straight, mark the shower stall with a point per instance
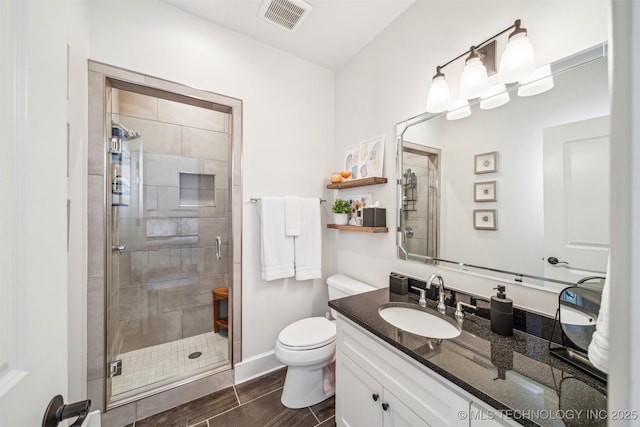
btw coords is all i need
(420, 200)
(171, 299)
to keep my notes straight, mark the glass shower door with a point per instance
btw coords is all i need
(169, 224)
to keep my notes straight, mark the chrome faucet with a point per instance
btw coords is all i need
(423, 298)
(459, 315)
(441, 307)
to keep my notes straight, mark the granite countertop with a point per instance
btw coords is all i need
(516, 375)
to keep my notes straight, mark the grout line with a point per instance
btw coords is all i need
(314, 415)
(230, 409)
(236, 393)
(261, 396)
(242, 404)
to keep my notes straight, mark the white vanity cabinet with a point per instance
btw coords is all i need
(377, 385)
(367, 368)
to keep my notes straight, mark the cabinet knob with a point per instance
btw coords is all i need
(375, 397)
(385, 406)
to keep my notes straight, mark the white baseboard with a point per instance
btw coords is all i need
(255, 366)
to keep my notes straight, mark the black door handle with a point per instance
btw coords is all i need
(553, 261)
(58, 411)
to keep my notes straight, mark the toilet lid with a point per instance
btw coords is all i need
(308, 333)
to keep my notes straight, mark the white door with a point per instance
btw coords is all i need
(358, 395)
(397, 414)
(33, 218)
(576, 199)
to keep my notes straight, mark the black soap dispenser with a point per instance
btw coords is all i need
(501, 313)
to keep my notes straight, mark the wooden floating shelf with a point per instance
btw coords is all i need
(358, 182)
(359, 228)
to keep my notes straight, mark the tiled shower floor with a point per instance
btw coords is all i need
(169, 361)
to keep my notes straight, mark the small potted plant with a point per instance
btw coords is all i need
(341, 210)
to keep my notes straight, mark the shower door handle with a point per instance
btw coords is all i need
(218, 248)
(118, 249)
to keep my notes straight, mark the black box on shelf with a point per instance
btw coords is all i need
(374, 217)
(398, 284)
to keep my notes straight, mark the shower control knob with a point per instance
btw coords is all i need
(385, 406)
(375, 397)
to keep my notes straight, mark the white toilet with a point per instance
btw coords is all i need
(308, 346)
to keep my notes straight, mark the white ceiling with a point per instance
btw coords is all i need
(332, 33)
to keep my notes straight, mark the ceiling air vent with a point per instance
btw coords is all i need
(287, 14)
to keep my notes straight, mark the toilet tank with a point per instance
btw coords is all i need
(342, 286)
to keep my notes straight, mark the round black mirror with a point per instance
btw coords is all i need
(579, 307)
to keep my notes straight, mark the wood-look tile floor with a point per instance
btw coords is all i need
(253, 403)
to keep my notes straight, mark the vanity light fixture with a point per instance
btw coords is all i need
(517, 61)
(474, 81)
(459, 109)
(438, 97)
(496, 96)
(517, 65)
(538, 82)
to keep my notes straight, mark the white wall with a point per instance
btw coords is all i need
(388, 81)
(288, 126)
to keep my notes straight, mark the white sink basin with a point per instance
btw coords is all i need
(414, 319)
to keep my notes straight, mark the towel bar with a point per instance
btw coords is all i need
(257, 199)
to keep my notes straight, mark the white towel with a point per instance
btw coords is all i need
(308, 246)
(292, 216)
(277, 249)
(598, 351)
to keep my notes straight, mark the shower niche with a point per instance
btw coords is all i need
(168, 237)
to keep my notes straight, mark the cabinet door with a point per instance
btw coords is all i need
(397, 414)
(358, 395)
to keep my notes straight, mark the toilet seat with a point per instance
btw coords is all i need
(308, 334)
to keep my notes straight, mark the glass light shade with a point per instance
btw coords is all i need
(474, 81)
(438, 97)
(495, 97)
(538, 82)
(459, 110)
(517, 61)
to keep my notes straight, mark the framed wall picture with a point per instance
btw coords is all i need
(365, 159)
(485, 191)
(486, 162)
(352, 160)
(371, 157)
(485, 219)
(358, 201)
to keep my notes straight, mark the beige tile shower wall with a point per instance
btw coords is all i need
(136, 105)
(170, 267)
(194, 117)
(162, 110)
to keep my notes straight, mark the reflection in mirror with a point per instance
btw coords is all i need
(528, 134)
(578, 309)
(420, 199)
